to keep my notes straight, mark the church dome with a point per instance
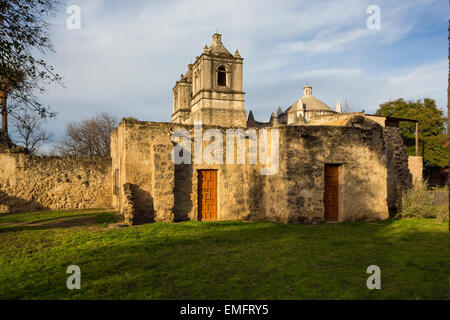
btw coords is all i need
(310, 102)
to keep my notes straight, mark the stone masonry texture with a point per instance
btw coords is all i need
(141, 153)
(29, 183)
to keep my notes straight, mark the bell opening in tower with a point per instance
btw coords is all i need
(221, 77)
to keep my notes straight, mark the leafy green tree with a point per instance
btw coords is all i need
(432, 127)
(23, 41)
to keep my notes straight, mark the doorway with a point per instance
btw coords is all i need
(207, 195)
(331, 195)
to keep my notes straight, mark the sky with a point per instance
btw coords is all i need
(127, 55)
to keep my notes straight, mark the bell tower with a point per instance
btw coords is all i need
(217, 96)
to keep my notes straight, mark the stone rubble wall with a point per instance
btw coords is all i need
(399, 175)
(163, 179)
(129, 211)
(373, 167)
(296, 194)
(142, 151)
(29, 183)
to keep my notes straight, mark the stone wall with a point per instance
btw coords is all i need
(142, 153)
(163, 182)
(296, 194)
(415, 166)
(399, 176)
(29, 183)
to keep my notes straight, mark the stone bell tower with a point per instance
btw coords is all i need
(215, 85)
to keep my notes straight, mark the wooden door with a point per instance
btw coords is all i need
(207, 195)
(331, 195)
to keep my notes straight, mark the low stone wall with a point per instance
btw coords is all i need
(415, 165)
(29, 183)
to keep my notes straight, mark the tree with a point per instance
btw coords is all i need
(346, 107)
(89, 137)
(10, 79)
(29, 132)
(432, 127)
(23, 35)
(448, 121)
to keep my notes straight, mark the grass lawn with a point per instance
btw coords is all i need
(219, 260)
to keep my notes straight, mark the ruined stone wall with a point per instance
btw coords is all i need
(132, 157)
(415, 166)
(29, 183)
(399, 176)
(294, 194)
(164, 192)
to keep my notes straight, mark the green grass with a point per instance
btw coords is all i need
(219, 260)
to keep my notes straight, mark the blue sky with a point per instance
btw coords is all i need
(127, 55)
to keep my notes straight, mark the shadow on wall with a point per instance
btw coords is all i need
(139, 205)
(146, 208)
(11, 204)
(399, 176)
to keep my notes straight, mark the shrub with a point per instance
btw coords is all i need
(443, 214)
(129, 119)
(418, 202)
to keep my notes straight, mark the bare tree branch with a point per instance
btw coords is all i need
(89, 137)
(29, 132)
(346, 106)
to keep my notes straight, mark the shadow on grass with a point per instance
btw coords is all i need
(19, 205)
(67, 221)
(239, 260)
(262, 260)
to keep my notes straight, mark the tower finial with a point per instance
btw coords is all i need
(338, 107)
(307, 90)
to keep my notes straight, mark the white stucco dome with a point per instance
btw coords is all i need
(310, 102)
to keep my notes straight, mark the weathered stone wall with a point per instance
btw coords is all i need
(132, 158)
(296, 194)
(163, 181)
(30, 182)
(142, 153)
(399, 176)
(415, 165)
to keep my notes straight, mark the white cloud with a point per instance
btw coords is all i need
(335, 73)
(126, 58)
(424, 81)
(333, 43)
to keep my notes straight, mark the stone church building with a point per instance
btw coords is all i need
(307, 164)
(331, 166)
